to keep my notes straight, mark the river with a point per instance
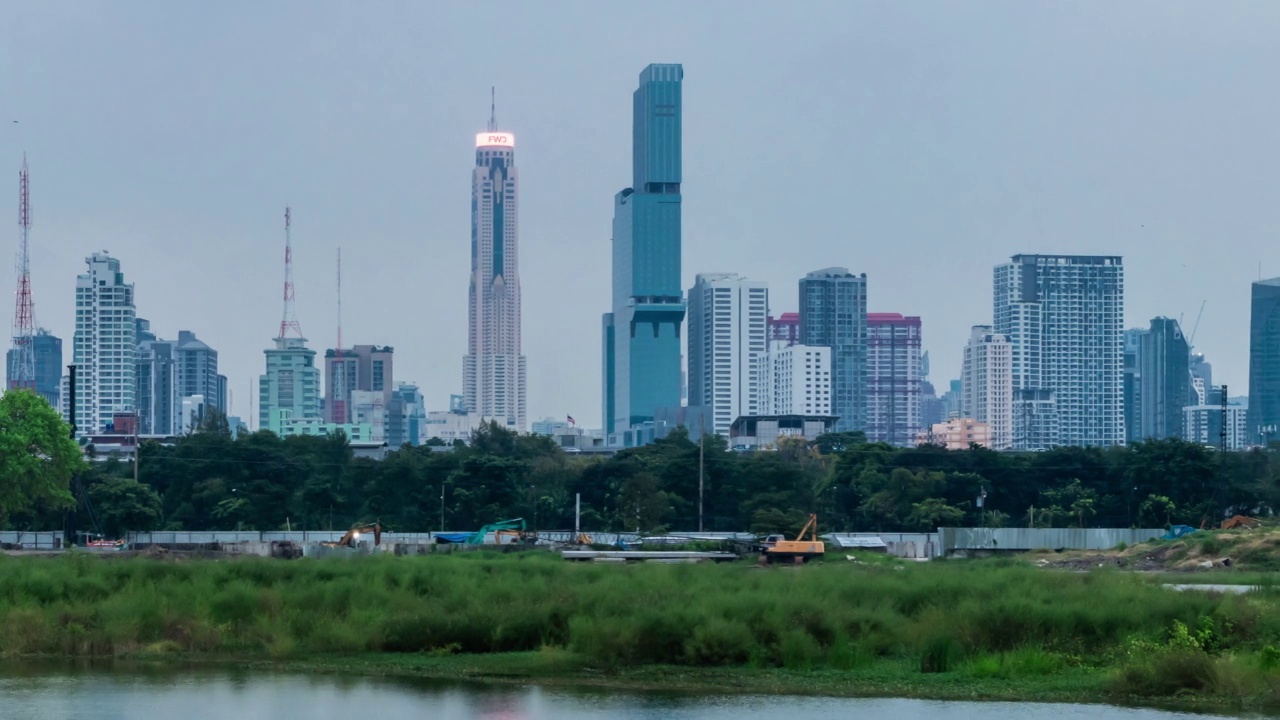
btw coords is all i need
(209, 696)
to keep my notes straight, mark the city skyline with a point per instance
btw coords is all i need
(152, 182)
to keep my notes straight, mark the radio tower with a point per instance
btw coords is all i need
(290, 319)
(340, 391)
(22, 374)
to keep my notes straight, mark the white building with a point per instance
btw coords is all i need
(987, 384)
(367, 408)
(193, 410)
(493, 371)
(104, 348)
(450, 425)
(1203, 424)
(796, 380)
(727, 342)
(1063, 315)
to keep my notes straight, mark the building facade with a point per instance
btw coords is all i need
(368, 368)
(47, 355)
(1165, 381)
(958, 433)
(727, 344)
(159, 401)
(1063, 315)
(641, 333)
(1132, 384)
(893, 378)
(493, 371)
(104, 347)
(784, 330)
(1264, 362)
(198, 371)
(291, 383)
(796, 380)
(987, 385)
(406, 417)
(833, 313)
(1203, 424)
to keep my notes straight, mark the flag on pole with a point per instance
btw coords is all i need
(571, 420)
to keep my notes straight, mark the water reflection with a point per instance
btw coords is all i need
(88, 693)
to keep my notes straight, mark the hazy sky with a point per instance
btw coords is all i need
(921, 143)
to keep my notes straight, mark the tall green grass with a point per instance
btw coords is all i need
(987, 618)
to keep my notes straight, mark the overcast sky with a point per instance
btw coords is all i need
(921, 143)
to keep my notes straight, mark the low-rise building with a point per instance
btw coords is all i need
(957, 434)
(762, 432)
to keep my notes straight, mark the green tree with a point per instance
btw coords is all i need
(37, 456)
(933, 513)
(123, 505)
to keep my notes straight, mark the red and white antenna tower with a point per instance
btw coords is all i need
(22, 374)
(290, 319)
(340, 390)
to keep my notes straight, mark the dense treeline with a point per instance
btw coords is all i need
(209, 480)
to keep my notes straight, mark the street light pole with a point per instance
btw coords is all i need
(702, 433)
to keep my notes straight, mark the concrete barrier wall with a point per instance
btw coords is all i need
(47, 540)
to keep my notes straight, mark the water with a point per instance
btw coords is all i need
(206, 696)
(1237, 589)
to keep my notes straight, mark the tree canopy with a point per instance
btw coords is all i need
(37, 457)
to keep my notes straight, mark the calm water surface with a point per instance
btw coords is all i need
(204, 696)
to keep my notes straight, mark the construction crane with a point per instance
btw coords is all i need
(779, 549)
(1191, 339)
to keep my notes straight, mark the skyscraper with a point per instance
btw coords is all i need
(47, 353)
(986, 387)
(642, 331)
(893, 378)
(198, 371)
(727, 344)
(1165, 380)
(1264, 362)
(291, 382)
(1132, 386)
(367, 368)
(493, 371)
(159, 399)
(833, 313)
(104, 346)
(1064, 316)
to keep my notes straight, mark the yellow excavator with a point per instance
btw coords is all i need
(349, 539)
(777, 548)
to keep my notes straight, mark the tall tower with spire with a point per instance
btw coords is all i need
(493, 371)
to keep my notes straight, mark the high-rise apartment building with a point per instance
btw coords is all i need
(159, 399)
(986, 385)
(796, 380)
(493, 371)
(893, 378)
(1165, 380)
(47, 355)
(1264, 362)
(198, 371)
(360, 368)
(1063, 314)
(833, 313)
(1132, 384)
(104, 346)
(291, 383)
(1203, 424)
(641, 333)
(727, 343)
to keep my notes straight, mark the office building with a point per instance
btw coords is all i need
(159, 401)
(958, 433)
(291, 384)
(406, 417)
(987, 386)
(1264, 362)
(893, 378)
(47, 355)
(796, 380)
(1165, 380)
(104, 346)
(764, 432)
(493, 371)
(1063, 315)
(833, 313)
(367, 368)
(727, 342)
(1132, 384)
(641, 333)
(933, 409)
(198, 371)
(1203, 424)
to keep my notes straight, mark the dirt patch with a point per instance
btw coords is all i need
(1203, 551)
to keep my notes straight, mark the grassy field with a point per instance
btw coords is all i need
(974, 629)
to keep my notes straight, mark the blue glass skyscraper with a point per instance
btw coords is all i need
(642, 333)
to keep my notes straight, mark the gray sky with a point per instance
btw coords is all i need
(921, 143)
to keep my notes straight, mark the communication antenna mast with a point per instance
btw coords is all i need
(493, 110)
(22, 374)
(289, 321)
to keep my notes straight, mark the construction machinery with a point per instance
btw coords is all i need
(349, 539)
(777, 548)
(507, 532)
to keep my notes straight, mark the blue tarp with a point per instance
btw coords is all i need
(1178, 531)
(446, 538)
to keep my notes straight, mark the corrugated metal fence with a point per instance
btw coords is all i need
(955, 540)
(50, 540)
